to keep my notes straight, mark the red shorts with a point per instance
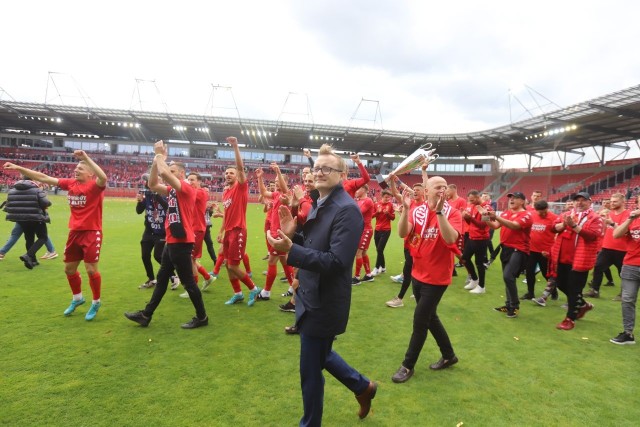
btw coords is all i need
(83, 245)
(365, 239)
(273, 251)
(197, 245)
(234, 245)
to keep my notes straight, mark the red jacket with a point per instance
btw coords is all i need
(586, 243)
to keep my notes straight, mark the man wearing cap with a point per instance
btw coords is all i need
(613, 250)
(574, 254)
(515, 225)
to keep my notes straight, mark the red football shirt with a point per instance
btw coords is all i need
(235, 201)
(517, 239)
(366, 208)
(608, 242)
(187, 205)
(351, 185)
(433, 260)
(632, 239)
(274, 220)
(478, 229)
(384, 214)
(85, 200)
(199, 221)
(542, 235)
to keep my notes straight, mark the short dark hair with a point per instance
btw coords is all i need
(541, 205)
(196, 174)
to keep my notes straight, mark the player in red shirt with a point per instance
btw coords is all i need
(85, 195)
(384, 213)
(514, 239)
(233, 233)
(476, 242)
(629, 232)
(199, 229)
(434, 228)
(177, 254)
(541, 238)
(574, 253)
(459, 203)
(278, 198)
(351, 185)
(366, 208)
(536, 195)
(613, 250)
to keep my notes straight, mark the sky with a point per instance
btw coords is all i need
(423, 66)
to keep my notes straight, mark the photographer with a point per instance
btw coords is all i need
(154, 207)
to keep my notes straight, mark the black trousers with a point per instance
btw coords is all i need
(478, 250)
(425, 320)
(380, 238)
(535, 258)
(572, 283)
(176, 256)
(606, 258)
(513, 263)
(209, 243)
(406, 273)
(151, 243)
(33, 229)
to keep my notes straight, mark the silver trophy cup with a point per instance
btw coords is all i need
(413, 161)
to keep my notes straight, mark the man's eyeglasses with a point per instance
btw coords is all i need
(326, 170)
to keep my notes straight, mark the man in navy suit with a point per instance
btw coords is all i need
(324, 251)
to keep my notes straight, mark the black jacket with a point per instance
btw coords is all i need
(27, 202)
(324, 253)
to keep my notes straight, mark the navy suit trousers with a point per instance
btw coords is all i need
(316, 354)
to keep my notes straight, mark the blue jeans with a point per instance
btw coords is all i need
(16, 232)
(630, 276)
(316, 354)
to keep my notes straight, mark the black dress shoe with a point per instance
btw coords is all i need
(195, 323)
(291, 330)
(28, 262)
(443, 364)
(138, 317)
(365, 399)
(402, 375)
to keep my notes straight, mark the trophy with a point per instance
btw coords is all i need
(413, 161)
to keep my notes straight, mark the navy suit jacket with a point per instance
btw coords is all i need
(324, 252)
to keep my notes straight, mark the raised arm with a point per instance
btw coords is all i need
(266, 194)
(101, 177)
(282, 183)
(159, 168)
(31, 174)
(233, 141)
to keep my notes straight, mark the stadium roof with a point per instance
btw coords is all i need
(602, 121)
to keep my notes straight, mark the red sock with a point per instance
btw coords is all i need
(247, 264)
(288, 271)
(247, 281)
(367, 264)
(358, 266)
(204, 273)
(75, 282)
(235, 284)
(272, 272)
(219, 261)
(95, 281)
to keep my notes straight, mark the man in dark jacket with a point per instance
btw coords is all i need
(26, 205)
(324, 254)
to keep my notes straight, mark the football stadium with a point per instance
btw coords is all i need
(243, 368)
